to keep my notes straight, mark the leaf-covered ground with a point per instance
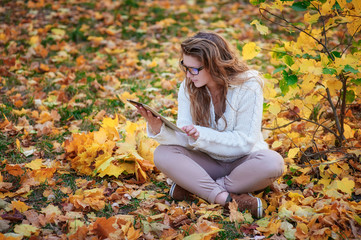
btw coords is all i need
(67, 132)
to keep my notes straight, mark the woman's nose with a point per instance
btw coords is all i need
(188, 74)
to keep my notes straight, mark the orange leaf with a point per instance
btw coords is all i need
(44, 67)
(104, 227)
(20, 206)
(44, 117)
(14, 170)
(19, 103)
(80, 60)
(81, 233)
(41, 175)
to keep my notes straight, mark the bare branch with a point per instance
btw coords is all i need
(295, 27)
(285, 125)
(350, 42)
(304, 119)
(343, 105)
(307, 159)
(329, 98)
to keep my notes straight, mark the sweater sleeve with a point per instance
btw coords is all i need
(168, 136)
(243, 137)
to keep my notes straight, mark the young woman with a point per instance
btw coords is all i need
(222, 155)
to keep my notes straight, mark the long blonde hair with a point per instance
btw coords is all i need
(223, 64)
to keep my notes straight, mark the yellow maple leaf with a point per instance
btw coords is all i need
(100, 136)
(348, 132)
(146, 147)
(58, 32)
(335, 169)
(152, 64)
(327, 7)
(250, 50)
(113, 170)
(126, 95)
(272, 228)
(274, 108)
(260, 28)
(18, 145)
(295, 195)
(311, 18)
(110, 127)
(203, 236)
(293, 152)
(334, 85)
(20, 206)
(310, 66)
(34, 40)
(346, 185)
(35, 164)
(74, 225)
(307, 85)
(276, 144)
(25, 229)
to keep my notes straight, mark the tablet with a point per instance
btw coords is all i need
(156, 114)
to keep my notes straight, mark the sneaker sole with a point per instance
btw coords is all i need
(259, 206)
(171, 190)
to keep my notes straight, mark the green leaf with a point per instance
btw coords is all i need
(288, 60)
(357, 218)
(289, 182)
(256, 2)
(330, 71)
(279, 69)
(300, 6)
(290, 79)
(356, 81)
(336, 54)
(348, 68)
(350, 96)
(283, 86)
(278, 54)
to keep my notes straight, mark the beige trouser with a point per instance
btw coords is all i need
(206, 177)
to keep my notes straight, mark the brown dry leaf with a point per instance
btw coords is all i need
(51, 213)
(235, 215)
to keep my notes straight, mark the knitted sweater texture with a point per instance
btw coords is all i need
(243, 115)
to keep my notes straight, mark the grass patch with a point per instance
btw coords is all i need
(230, 231)
(36, 197)
(106, 212)
(69, 180)
(8, 149)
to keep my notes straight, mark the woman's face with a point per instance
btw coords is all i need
(203, 77)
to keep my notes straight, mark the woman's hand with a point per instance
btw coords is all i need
(155, 123)
(191, 131)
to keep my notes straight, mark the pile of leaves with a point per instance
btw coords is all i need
(75, 159)
(102, 153)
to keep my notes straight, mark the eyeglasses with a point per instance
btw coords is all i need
(191, 70)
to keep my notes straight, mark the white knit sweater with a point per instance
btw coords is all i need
(244, 117)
